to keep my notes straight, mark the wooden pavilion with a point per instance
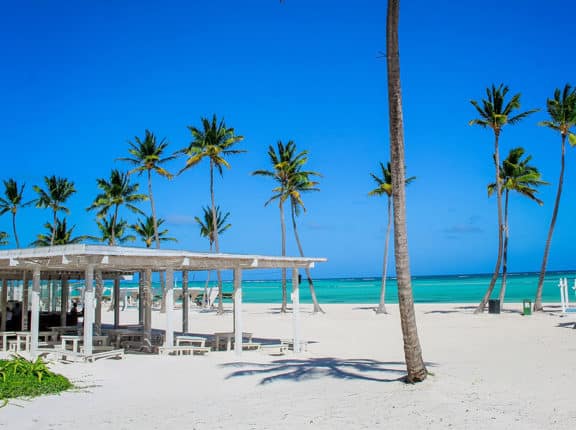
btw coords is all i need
(93, 264)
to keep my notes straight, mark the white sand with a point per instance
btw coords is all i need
(489, 371)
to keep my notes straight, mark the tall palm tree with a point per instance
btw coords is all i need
(57, 191)
(412, 352)
(562, 111)
(148, 156)
(284, 162)
(213, 141)
(105, 227)
(495, 113)
(58, 235)
(149, 233)
(516, 174)
(12, 203)
(300, 183)
(116, 192)
(384, 188)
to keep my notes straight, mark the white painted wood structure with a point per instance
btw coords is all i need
(87, 262)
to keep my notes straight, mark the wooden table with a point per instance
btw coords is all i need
(117, 335)
(190, 340)
(229, 338)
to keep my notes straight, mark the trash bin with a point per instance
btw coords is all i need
(494, 306)
(526, 307)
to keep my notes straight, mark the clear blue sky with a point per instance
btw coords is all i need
(80, 79)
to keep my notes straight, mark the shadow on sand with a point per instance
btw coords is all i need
(312, 368)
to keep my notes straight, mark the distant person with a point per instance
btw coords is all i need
(74, 314)
(17, 316)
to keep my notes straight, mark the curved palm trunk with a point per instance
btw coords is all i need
(215, 232)
(157, 240)
(284, 306)
(412, 351)
(482, 304)
(505, 252)
(538, 299)
(53, 229)
(317, 307)
(381, 309)
(14, 229)
(113, 236)
(207, 294)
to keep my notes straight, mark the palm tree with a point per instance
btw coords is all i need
(384, 188)
(515, 175)
(148, 155)
(412, 352)
(299, 183)
(562, 111)
(214, 142)
(116, 192)
(58, 190)
(148, 232)
(285, 163)
(495, 113)
(58, 235)
(206, 224)
(105, 227)
(12, 202)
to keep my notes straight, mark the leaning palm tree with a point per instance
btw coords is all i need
(213, 141)
(298, 184)
(518, 176)
(12, 203)
(384, 188)
(116, 192)
(58, 235)
(494, 114)
(105, 227)
(562, 111)
(412, 351)
(148, 231)
(208, 231)
(57, 191)
(148, 156)
(284, 162)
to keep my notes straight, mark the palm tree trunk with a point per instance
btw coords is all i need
(284, 306)
(113, 227)
(482, 304)
(505, 252)
(153, 207)
(412, 351)
(317, 307)
(538, 299)
(382, 305)
(14, 228)
(216, 241)
(53, 229)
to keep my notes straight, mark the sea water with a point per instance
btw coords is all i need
(426, 289)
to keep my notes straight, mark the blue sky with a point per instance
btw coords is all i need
(80, 79)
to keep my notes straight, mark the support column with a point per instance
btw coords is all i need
(98, 310)
(64, 301)
(116, 302)
(88, 309)
(24, 301)
(169, 298)
(296, 309)
(185, 302)
(4, 304)
(141, 297)
(35, 314)
(238, 311)
(147, 309)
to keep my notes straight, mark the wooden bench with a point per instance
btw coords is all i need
(183, 349)
(251, 346)
(274, 349)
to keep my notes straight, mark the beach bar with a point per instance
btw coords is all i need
(92, 263)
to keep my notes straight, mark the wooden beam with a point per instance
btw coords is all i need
(169, 339)
(25, 290)
(35, 311)
(64, 300)
(185, 302)
(238, 311)
(88, 310)
(4, 304)
(296, 309)
(147, 303)
(98, 310)
(116, 302)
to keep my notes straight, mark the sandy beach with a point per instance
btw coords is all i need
(487, 371)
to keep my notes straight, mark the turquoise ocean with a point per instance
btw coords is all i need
(427, 289)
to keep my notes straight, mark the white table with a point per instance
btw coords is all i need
(5, 336)
(190, 340)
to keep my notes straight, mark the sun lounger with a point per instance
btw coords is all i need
(274, 349)
(183, 349)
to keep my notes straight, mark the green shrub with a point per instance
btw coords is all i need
(22, 378)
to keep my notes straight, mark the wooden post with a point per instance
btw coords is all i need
(169, 299)
(116, 302)
(64, 300)
(237, 311)
(296, 309)
(185, 302)
(98, 310)
(4, 304)
(147, 305)
(88, 309)
(35, 314)
(141, 297)
(24, 301)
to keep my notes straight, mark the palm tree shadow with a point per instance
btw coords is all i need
(298, 370)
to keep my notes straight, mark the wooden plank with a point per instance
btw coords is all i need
(147, 304)
(4, 304)
(169, 339)
(35, 311)
(64, 300)
(185, 302)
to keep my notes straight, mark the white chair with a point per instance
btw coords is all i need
(564, 296)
